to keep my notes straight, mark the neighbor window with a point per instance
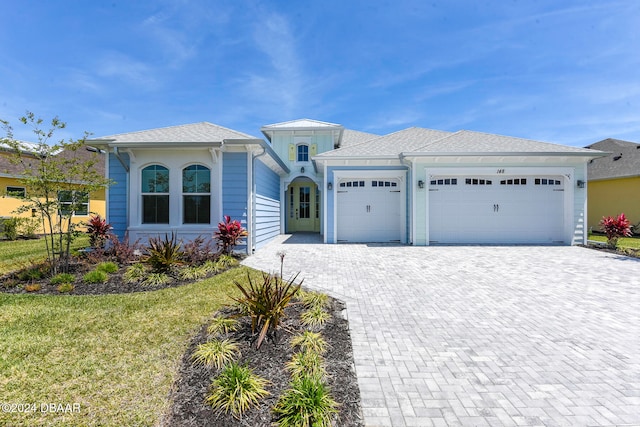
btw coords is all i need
(155, 195)
(16, 192)
(196, 194)
(303, 153)
(73, 202)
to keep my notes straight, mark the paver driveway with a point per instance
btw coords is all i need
(482, 335)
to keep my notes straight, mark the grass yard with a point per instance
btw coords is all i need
(623, 242)
(21, 253)
(114, 355)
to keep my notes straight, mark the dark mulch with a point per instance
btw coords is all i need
(633, 253)
(189, 391)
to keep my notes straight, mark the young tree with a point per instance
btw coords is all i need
(58, 179)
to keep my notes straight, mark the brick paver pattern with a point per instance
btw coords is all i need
(480, 335)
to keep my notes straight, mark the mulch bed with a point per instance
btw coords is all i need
(189, 391)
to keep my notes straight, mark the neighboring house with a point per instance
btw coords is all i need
(11, 187)
(416, 186)
(614, 181)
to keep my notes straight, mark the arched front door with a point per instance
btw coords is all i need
(303, 207)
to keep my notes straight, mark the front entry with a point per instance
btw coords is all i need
(303, 206)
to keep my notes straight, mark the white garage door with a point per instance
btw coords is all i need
(368, 210)
(509, 209)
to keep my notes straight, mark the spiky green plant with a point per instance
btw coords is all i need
(310, 341)
(225, 261)
(312, 299)
(266, 302)
(164, 254)
(308, 403)
(61, 278)
(65, 288)
(135, 273)
(306, 363)
(216, 353)
(236, 389)
(156, 279)
(108, 267)
(193, 273)
(220, 325)
(211, 267)
(95, 276)
(314, 317)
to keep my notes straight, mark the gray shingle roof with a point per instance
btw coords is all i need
(189, 133)
(353, 137)
(389, 145)
(624, 160)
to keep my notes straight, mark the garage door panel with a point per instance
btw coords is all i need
(506, 210)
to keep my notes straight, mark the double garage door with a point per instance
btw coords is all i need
(505, 209)
(368, 210)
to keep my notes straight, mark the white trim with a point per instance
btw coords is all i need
(250, 203)
(325, 196)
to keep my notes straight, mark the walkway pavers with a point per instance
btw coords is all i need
(482, 336)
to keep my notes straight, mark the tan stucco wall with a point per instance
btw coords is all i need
(611, 197)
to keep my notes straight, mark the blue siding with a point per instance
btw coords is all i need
(117, 209)
(267, 213)
(234, 188)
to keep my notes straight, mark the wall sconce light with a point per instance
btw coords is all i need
(302, 169)
(421, 184)
(580, 183)
(329, 186)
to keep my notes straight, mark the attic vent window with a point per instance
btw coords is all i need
(616, 158)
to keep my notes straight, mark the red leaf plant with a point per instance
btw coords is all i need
(614, 228)
(98, 230)
(229, 234)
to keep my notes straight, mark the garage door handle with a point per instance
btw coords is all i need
(496, 208)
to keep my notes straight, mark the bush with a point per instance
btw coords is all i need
(216, 353)
(108, 267)
(62, 278)
(199, 251)
(266, 302)
(95, 276)
(135, 273)
(614, 228)
(65, 288)
(236, 389)
(307, 403)
(164, 254)
(310, 341)
(306, 363)
(156, 279)
(35, 272)
(11, 228)
(193, 273)
(220, 325)
(33, 287)
(123, 251)
(314, 299)
(315, 317)
(98, 230)
(229, 234)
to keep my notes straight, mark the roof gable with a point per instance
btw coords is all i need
(622, 161)
(301, 124)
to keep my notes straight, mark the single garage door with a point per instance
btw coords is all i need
(509, 209)
(368, 210)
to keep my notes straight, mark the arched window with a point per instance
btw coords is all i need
(196, 195)
(303, 153)
(155, 195)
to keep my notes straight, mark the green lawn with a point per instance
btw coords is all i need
(20, 253)
(114, 355)
(623, 243)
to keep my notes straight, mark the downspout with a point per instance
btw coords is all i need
(252, 234)
(412, 190)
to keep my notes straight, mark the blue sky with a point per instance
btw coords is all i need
(558, 71)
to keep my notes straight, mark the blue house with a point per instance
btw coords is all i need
(415, 186)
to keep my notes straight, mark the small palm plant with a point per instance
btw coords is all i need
(164, 254)
(236, 389)
(216, 353)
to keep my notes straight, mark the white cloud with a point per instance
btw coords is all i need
(120, 66)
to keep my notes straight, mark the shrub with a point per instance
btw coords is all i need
(266, 302)
(314, 299)
(164, 254)
(216, 353)
(307, 403)
(220, 325)
(229, 234)
(123, 251)
(62, 278)
(108, 267)
(614, 228)
(314, 317)
(307, 363)
(225, 261)
(198, 251)
(33, 287)
(27, 228)
(135, 273)
(98, 230)
(11, 228)
(35, 272)
(310, 341)
(156, 279)
(95, 276)
(211, 267)
(193, 273)
(65, 288)
(236, 389)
